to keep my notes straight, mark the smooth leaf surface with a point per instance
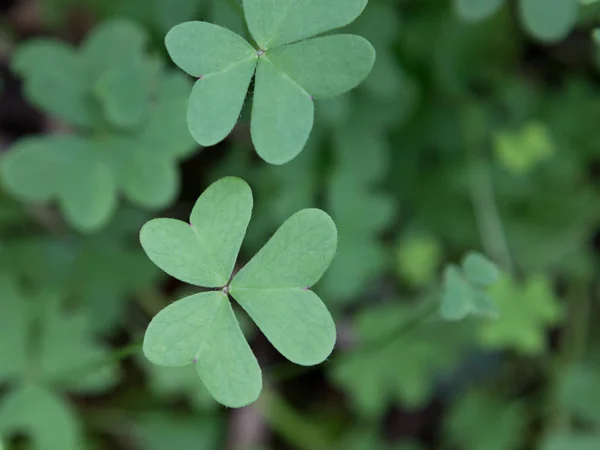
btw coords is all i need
(43, 417)
(202, 329)
(282, 115)
(549, 20)
(217, 100)
(479, 270)
(326, 66)
(462, 298)
(474, 10)
(202, 252)
(294, 320)
(201, 48)
(295, 257)
(278, 22)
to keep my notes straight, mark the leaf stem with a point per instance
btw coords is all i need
(483, 196)
(285, 420)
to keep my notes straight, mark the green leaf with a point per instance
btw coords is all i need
(457, 299)
(417, 259)
(201, 48)
(203, 252)
(579, 393)
(295, 257)
(524, 313)
(225, 91)
(479, 270)
(522, 150)
(225, 64)
(65, 168)
(326, 66)
(123, 96)
(54, 80)
(202, 329)
(475, 10)
(549, 20)
(273, 287)
(282, 115)
(45, 418)
(278, 22)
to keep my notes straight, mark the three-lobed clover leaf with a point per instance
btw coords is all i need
(289, 68)
(465, 289)
(273, 288)
(126, 120)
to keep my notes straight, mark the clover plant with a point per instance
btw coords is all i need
(273, 288)
(291, 67)
(126, 126)
(465, 289)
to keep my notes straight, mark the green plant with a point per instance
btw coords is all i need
(273, 288)
(126, 121)
(290, 69)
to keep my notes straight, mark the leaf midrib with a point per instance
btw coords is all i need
(210, 254)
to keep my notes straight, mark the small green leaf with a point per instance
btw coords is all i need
(202, 329)
(166, 431)
(549, 20)
(225, 91)
(417, 259)
(463, 296)
(475, 10)
(326, 66)
(282, 115)
(46, 419)
(278, 22)
(201, 48)
(457, 295)
(54, 80)
(123, 96)
(524, 313)
(479, 270)
(203, 252)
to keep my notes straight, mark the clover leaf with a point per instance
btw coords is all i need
(289, 70)
(273, 288)
(126, 125)
(465, 289)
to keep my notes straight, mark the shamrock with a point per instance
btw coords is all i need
(126, 122)
(290, 70)
(464, 291)
(273, 288)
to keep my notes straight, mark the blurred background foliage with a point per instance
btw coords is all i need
(476, 131)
